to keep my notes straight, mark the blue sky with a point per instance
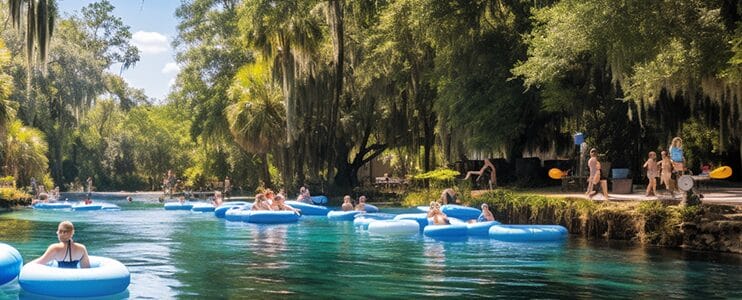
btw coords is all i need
(152, 24)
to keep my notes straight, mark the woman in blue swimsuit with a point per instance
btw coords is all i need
(67, 253)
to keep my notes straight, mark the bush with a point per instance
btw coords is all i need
(438, 178)
(420, 198)
(7, 182)
(11, 197)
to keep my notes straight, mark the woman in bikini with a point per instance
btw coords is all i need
(67, 253)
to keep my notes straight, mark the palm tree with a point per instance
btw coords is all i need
(256, 119)
(25, 152)
(286, 33)
(7, 109)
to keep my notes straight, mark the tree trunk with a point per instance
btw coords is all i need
(264, 173)
(337, 25)
(286, 170)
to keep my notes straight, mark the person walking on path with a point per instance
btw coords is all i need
(596, 176)
(665, 165)
(652, 173)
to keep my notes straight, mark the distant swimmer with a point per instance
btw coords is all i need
(347, 203)
(361, 206)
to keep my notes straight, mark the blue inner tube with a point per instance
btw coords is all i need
(271, 217)
(370, 208)
(446, 231)
(109, 206)
(86, 207)
(178, 206)
(11, 262)
(528, 233)
(237, 213)
(105, 276)
(220, 211)
(421, 218)
(95, 206)
(480, 228)
(362, 220)
(376, 216)
(309, 209)
(53, 205)
(394, 227)
(319, 199)
(461, 212)
(202, 207)
(338, 215)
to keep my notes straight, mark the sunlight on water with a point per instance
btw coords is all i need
(173, 254)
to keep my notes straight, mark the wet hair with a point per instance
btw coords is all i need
(279, 197)
(67, 225)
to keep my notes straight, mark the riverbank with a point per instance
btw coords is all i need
(708, 227)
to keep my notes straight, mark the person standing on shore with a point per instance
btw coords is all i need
(652, 172)
(676, 155)
(594, 177)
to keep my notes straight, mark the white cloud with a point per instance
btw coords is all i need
(150, 42)
(171, 82)
(170, 67)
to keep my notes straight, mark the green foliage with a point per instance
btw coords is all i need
(420, 198)
(660, 222)
(11, 197)
(7, 107)
(437, 178)
(7, 181)
(701, 143)
(25, 152)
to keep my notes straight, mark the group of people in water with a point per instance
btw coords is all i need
(348, 204)
(69, 254)
(268, 200)
(436, 215)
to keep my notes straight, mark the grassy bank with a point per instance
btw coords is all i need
(703, 227)
(10, 197)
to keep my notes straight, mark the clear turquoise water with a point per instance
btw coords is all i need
(175, 254)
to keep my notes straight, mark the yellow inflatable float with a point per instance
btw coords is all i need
(555, 173)
(718, 173)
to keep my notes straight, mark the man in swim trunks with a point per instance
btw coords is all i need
(67, 253)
